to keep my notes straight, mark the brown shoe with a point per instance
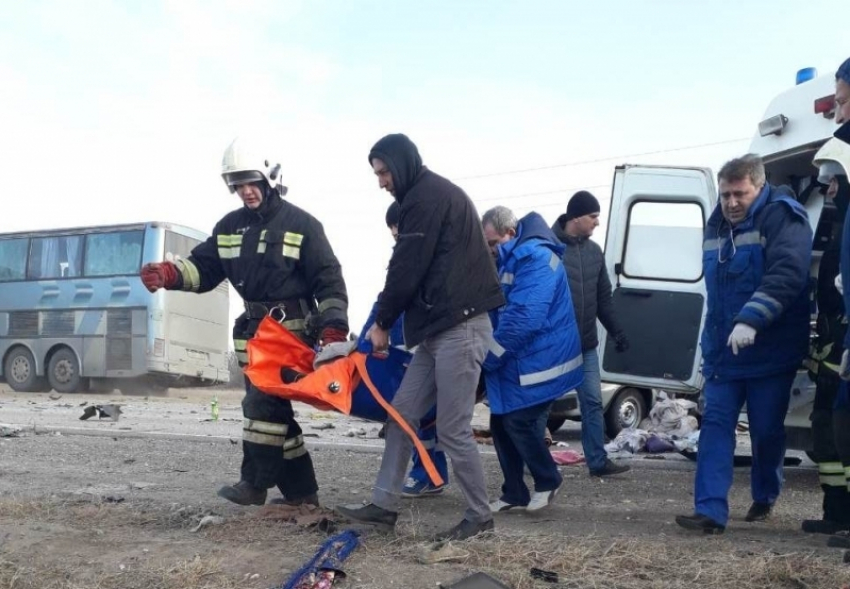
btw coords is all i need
(243, 493)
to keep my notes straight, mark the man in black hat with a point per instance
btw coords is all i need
(591, 293)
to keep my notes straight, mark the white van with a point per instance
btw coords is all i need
(653, 250)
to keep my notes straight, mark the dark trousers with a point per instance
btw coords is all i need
(518, 438)
(273, 450)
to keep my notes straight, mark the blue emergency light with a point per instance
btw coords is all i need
(806, 74)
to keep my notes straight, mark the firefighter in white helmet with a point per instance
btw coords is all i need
(831, 428)
(279, 260)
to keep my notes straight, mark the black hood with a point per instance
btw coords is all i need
(271, 204)
(402, 159)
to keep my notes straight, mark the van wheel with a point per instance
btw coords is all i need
(63, 372)
(19, 370)
(554, 423)
(627, 410)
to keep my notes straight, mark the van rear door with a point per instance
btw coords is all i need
(653, 252)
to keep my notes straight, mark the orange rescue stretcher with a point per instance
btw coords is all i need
(360, 384)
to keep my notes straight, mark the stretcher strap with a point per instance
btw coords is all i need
(430, 468)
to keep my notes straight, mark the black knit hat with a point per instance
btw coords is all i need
(582, 203)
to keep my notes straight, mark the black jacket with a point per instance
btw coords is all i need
(276, 254)
(589, 286)
(441, 272)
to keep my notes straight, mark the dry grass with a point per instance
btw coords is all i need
(631, 563)
(198, 573)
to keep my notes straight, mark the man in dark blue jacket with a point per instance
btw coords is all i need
(535, 355)
(756, 258)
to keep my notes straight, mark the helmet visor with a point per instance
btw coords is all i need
(234, 179)
(828, 170)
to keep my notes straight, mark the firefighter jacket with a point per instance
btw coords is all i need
(278, 258)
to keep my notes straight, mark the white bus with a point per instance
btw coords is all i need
(74, 314)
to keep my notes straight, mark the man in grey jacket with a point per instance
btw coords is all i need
(591, 294)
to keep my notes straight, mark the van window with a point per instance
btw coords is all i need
(13, 259)
(664, 241)
(56, 257)
(178, 246)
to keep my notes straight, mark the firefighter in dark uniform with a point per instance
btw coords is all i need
(279, 260)
(827, 350)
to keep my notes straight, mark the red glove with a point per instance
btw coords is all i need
(331, 335)
(160, 275)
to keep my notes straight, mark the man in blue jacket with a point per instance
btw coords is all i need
(756, 258)
(535, 355)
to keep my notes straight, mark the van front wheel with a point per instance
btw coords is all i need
(627, 410)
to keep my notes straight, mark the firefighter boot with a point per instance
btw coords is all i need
(836, 509)
(243, 493)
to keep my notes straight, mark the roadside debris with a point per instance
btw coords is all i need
(548, 576)
(567, 457)
(325, 567)
(441, 552)
(54, 396)
(326, 425)
(9, 431)
(208, 520)
(356, 432)
(111, 411)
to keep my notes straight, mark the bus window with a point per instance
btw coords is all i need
(13, 259)
(113, 254)
(178, 246)
(56, 257)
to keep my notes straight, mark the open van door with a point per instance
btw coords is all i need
(653, 251)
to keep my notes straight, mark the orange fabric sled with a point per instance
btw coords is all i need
(330, 387)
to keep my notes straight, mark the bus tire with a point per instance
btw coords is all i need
(20, 373)
(63, 371)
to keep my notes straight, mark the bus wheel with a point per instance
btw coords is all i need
(19, 370)
(63, 371)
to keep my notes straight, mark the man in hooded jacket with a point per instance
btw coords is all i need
(441, 276)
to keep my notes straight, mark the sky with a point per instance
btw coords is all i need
(117, 112)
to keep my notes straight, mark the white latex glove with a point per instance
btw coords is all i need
(844, 371)
(742, 336)
(839, 285)
(333, 351)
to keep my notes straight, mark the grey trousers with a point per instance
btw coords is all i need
(444, 370)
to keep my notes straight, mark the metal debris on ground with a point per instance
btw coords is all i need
(111, 411)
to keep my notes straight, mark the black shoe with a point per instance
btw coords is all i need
(700, 522)
(839, 541)
(243, 493)
(758, 512)
(610, 468)
(369, 514)
(306, 500)
(464, 530)
(823, 526)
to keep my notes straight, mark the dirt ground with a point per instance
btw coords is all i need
(102, 504)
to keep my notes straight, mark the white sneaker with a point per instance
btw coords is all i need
(541, 499)
(499, 505)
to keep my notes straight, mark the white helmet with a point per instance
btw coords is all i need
(832, 159)
(240, 165)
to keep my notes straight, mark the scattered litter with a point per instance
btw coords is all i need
(111, 411)
(655, 444)
(548, 576)
(326, 425)
(301, 515)
(356, 432)
(475, 581)
(322, 416)
(114, 499)
(54, 396)
(325, 567)
(441, 552)
(567, 457)
(208, 520)
(562, 444)
(9, 431)
(83, 404)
